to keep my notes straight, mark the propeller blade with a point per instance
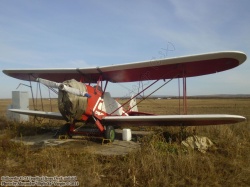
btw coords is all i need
(48, 83)
(73, 91)
(63, 87)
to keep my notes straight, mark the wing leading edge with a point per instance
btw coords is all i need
(186, 66)
(173, 120)
(50, 115)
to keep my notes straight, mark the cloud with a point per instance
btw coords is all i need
(90, 34)
(197, 27)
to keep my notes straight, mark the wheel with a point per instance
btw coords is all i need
(110, 133)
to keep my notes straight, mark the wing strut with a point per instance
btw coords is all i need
(144, 90)
(152, 93)
(184, 95)
(135, 96)
(179, 91)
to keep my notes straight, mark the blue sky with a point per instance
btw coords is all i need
(77, 33)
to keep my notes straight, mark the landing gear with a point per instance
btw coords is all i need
(64, 130)
(109, 133)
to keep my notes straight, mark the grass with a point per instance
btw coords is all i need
(158, 163)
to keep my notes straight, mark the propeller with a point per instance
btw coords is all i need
(63, 87)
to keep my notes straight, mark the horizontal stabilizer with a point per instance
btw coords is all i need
(173, 120)
(50, 115)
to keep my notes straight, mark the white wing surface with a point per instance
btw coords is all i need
(151, 120)
(50, 115)
(173, 120)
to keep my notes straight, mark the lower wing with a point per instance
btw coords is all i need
(150, 120)
(50, 115)
(173, 120)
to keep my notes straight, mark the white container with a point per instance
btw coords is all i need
(126, 134)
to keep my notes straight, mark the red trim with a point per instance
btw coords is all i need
(99, 125)
(169, 71)
(85, 117)
(98, 110)
(72, 128)
(95, 94)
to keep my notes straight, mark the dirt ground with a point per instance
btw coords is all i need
(95, 145)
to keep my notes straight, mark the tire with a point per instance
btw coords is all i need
(109, 133)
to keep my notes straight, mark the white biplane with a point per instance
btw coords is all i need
(80, 101)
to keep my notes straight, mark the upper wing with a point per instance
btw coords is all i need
(187, 66)
(173, 120)
(50, 115)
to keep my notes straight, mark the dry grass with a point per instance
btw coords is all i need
(158, 163)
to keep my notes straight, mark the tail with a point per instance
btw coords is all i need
(132, 105)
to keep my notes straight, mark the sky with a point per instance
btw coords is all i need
(78, 34)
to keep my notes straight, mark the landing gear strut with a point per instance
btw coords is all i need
(109, 131)
(64, 130)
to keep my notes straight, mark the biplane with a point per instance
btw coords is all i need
(82, 95)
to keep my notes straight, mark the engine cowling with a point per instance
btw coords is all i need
(72, 106)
